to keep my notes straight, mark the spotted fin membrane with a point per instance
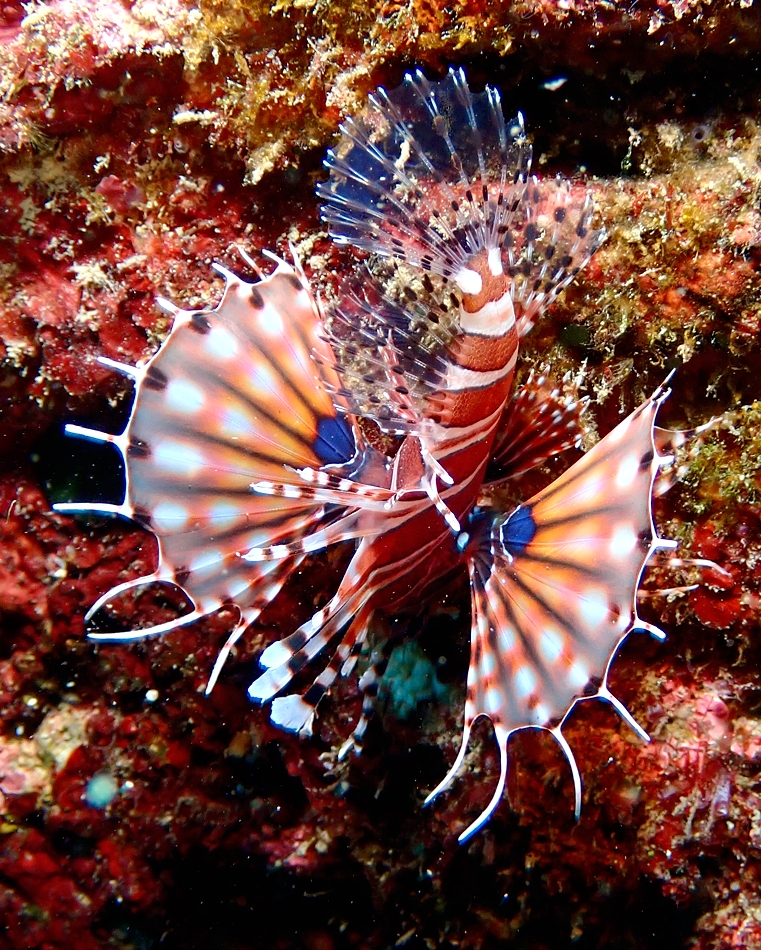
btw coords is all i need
(243, 454)
(553, 586)
(428, 174)
(233, 399)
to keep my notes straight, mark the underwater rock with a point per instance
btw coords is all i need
(128, 188)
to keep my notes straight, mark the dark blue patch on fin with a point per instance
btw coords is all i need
(518, 530)
(334, 443)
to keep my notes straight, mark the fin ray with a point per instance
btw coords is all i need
(554, 585)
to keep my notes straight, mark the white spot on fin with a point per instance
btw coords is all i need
(169, 516)
(178, 457)
(184, 396)
(221, 343)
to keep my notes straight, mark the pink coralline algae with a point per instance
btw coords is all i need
(139, 143)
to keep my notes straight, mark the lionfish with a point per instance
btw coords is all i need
(244, 451)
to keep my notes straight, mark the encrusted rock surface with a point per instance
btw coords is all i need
(140, 142)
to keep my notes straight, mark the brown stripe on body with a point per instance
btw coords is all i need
(471, 405)
(468, 407)
(482, 352)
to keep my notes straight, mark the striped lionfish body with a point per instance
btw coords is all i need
(243, 453)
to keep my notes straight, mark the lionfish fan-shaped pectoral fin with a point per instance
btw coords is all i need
(554, 586)
(539, 421)
(428, 174)
(233, 399)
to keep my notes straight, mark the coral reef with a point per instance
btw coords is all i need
(140, 142)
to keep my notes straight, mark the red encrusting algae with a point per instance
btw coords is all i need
(127, 188)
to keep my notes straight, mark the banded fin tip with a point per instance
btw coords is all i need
(228, 275)
(645, 627)
(294, 714)
(93, 435)
(502, 737)
(237, 632)
(66, 507)
(576, 775)
(282, 265)
(665, 543)
(130, 636)
(623, 712)
(346, 748)
(264, 687)
(454, 769)
(167, 306)
(274, 655)
(157, 577)
(249, 261)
